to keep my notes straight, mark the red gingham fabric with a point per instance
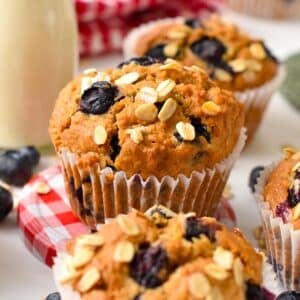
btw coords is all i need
(47, 222)
(103, 24)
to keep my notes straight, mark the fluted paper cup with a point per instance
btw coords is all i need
(282, 241)
(255, 100)
(277, 9)
(97, 195)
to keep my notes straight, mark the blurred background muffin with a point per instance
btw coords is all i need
(276, 9)
(235, 60)
(278, 198)
(143, 133)
(160, 255)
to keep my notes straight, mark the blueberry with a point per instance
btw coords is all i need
(15, 168)
(149, 266)
(157, 52)
(178, 137)
(282, 211)
(289, 295)
(209, 49)
(293, 197)
(98, 98)
(255, 292)
(200, 128)
(53, 296)
(6, 203)
(142, 61)
(254, 176)
(115, 147)
(195, 227)
(32, 153)
(193, 23)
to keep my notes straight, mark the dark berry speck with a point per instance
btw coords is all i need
(255, 292)
(289, 295)
(115, 147)
(142, 61)
(209, 49)
(254, 176)
(6, 203)
(293, 197)
(98, 98)
(53, 296)
(195, 227)
(148, 266)
(157, 52)
(200, 128)
(193, 23)
(282, 211)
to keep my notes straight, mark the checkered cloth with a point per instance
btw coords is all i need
(47, 222)
(104, 23)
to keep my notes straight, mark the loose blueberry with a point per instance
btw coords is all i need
(98, 98)
(157, 52)
(209, 49)
(289, 295)
(282, 211)
(53, 296)
(200, 128)
(15, 169)
(254, 177)
(6, 203)
(149, 265)
(293, 197)
(254, 292)
(193, 23)
(195, 227)
(115, 147)
(32, 153)
(142, 61)
(268, 295)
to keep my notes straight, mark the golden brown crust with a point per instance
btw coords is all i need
(159, 153)
(258, 71)
(277, 186)
(191, 259)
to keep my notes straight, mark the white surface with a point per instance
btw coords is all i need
(22, 277)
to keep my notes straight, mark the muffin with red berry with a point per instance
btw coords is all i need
(160, 255)
(278, 197)
(231, 57)
(145, 133)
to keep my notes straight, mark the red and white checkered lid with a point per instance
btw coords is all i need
(103, 24)
(47, 222)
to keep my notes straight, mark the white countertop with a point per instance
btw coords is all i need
(23, 277)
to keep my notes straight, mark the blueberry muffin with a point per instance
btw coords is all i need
(124, 130)
(231, 57)
(278, 195)
(161, 256)
(275, 9)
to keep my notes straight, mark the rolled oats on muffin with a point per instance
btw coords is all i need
(231, 57)
(145, 133)
(160, 256)
(278, 198)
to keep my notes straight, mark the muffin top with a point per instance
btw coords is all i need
(232, 58)
(282, 189)
(147, 118)
(161, 255)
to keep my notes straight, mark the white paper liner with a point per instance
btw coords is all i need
(255, 100)
(270, 282)
(96, 197)
(267, 8)
(282, 241)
